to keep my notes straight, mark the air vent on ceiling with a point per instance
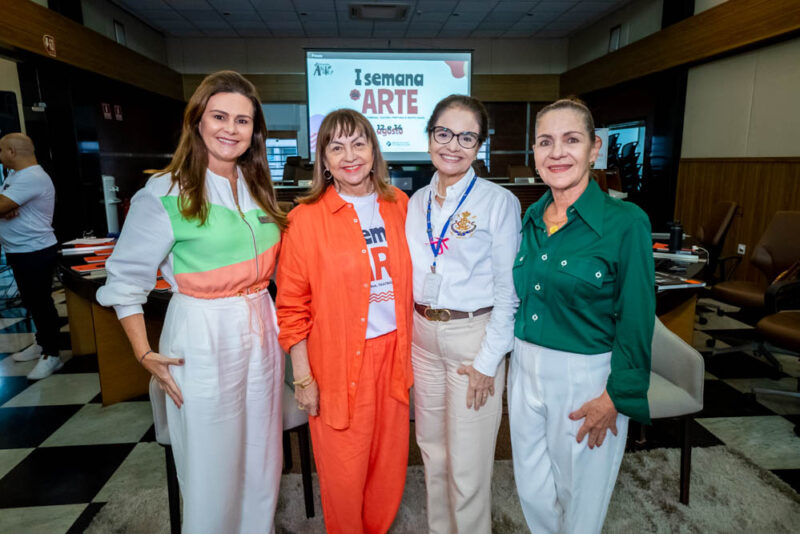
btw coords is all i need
(380, 12)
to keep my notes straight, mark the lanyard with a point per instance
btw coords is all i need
(436, 246)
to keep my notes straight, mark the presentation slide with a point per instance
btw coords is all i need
(395, 90)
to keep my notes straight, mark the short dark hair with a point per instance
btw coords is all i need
(575, 104)
(470, 104)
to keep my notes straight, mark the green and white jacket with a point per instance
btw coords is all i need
(233, 252)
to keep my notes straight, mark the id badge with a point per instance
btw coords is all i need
(430, 287)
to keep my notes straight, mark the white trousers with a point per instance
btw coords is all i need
(457, 443)
(227, 436)
(563, 486)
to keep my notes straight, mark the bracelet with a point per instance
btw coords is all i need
(143, 355)
(303, 383)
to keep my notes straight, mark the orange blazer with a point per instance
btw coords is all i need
(323, 281)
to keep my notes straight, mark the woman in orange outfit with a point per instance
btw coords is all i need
(344, 312)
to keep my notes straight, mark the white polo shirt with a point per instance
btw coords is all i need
(477, 257)
(32, 229)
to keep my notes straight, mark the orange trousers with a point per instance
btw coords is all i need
(362, 469)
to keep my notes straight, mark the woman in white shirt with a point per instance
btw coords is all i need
(209, 222)
(463, 234)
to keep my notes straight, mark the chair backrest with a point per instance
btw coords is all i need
(779, 246)
(677, 361)
(628, 149)
(521, 171)
(480, 168)
(714, 229)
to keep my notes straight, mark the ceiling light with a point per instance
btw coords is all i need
(381, 12)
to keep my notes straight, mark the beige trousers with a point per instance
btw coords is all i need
(457, 443)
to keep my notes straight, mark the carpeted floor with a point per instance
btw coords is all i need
(728, 494)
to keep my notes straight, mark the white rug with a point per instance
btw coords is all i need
(728, 494)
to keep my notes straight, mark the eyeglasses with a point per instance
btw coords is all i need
(443, 136)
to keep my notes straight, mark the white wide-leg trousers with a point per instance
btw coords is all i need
(457, 443)
(563, 486)
(227, 436)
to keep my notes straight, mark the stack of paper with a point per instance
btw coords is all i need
(99, 246)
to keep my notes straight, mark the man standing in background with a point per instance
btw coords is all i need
(27, 199)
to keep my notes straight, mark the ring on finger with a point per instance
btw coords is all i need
(301, 407)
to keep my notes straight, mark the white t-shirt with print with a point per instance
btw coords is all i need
(381, 317)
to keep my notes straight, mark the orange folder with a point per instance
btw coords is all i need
(89, 267)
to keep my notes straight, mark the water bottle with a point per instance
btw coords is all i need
(675, 236)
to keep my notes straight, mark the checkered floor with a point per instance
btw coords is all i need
(63, 455)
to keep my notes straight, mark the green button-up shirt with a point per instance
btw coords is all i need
(589, 289)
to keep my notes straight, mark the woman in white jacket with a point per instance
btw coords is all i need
(210, 223)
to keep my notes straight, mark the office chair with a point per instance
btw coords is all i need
(776, 251)
(677, 377)
(711, 235)
(480, 168)
(613, 150)
(290, 168)
(780, 330)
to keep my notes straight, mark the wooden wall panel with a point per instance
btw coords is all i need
(761, 186)
(730, 26)
(271, 87)
(515, 87)
(23, 24)
(508, 121)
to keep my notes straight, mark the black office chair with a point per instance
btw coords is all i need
(290, 169)
(628, 152)
(711, 236)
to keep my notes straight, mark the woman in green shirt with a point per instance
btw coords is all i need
(581, 362)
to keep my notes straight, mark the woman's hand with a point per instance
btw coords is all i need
(158, 366)
(601, 416)
(480, 386)
(308, 398)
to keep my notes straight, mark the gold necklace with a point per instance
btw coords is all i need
(553, 226)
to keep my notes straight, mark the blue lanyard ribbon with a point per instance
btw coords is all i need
(436, 246)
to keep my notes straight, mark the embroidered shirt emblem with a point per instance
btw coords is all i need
(465, 225)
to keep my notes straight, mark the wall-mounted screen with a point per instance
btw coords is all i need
(395, 90)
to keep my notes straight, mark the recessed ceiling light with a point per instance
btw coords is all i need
(386, 12)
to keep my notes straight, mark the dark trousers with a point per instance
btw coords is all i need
(33, 272)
